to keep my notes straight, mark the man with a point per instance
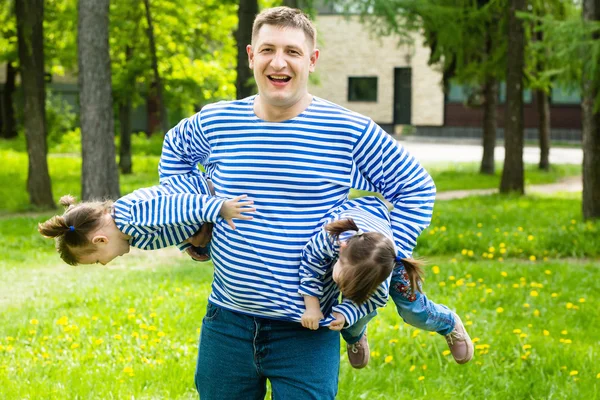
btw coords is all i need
(296, 156)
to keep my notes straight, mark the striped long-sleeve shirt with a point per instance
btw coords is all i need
(295, 171)
(167, 214)
(370, 214)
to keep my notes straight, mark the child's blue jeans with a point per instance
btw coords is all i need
(414, 308)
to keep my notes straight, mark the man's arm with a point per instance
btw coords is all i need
(401, 179)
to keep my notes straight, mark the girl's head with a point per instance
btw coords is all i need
(85, 233)
(365, 261)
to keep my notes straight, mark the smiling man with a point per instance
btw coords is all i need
(296, 156)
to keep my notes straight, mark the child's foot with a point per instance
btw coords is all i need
(358, 353)
(459, 342)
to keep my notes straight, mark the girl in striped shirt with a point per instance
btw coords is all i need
(356, 251)
(150, 218)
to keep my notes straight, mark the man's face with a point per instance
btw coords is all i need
(281, 59)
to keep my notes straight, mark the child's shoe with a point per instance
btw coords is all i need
(358, 353)
(459, 342)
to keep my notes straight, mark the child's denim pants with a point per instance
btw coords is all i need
(414, 308)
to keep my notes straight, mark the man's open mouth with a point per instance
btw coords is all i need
(279, 78)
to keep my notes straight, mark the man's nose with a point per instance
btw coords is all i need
(278, 61)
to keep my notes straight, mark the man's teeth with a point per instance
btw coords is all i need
(279, 77)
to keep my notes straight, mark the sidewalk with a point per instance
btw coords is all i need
(571, 184)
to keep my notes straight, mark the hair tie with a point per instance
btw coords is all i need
(398, 259)
(71, 228)
(359, 232)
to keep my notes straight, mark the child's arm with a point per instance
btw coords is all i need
(313, 314)
(315, 263)
(348, 312)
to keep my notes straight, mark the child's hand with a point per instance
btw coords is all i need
(311, 317)
(338, 323)
(234, 208)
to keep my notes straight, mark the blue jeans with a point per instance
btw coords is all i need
(414, 308)
(238, 353)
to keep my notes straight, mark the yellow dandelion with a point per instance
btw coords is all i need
(442, 283)
(469, 323)
(516, 331)
(573, 222)
(526, 305)
(564, 332)
(94, 318)
(424, 367)
(530, 237)
(153, 315)
(479, 225)
(534, 293)
(573, 373)
(131, 311)
(128, 370)
(568, 341)
(491, 249)
(546, 333)
(161, 334)
(526, 346)
(504, 274)
(548, 272)
(523, 335)
(117, 337)
(446, 352)
(412, 368)
(582, 300)
(135, 335)
(396, 327)
(388, 359)
(598, 375)
(569, 305)
(393, 341)
(375, 354)
(532, 258)
(435, 269)
(421, 378)
(502, 251)
(98, 341)
(34, 321)
(499, 310)
(554, 295)
(520, 229)
(536, 313)
(416, 333)
(62, 321)
(470, 253)
(74, 346)
(464, 252)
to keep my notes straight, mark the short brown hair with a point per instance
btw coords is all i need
(369, 259)
(285, 17)
(70, 230)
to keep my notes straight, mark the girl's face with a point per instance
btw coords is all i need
(109, 243)
(338, 267)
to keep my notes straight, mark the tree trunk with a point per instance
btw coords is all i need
(543, 103)
(125, 148)
(156, 88)
(9, 126)
(30, 37)
(290, 3)
(513, 179)
(125, 162)
(100, 176)
(247, 10)
(490, 94)
(591, 125)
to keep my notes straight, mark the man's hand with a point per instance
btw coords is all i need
(234, 208)
(202, 237)
(198, 257)
(311, 317)
(338, 323)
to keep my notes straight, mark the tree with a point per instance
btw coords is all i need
(156, 88)
(30, 32)
(100, 178)
(591, 113)
(8, 39)
(513, 179)
(247, 10)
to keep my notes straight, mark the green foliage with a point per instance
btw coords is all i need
(61, 121)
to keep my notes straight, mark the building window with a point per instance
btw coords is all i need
(527, 96)
(566, 95)
(362, 88)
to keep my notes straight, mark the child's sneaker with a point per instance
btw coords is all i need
(358, 353)
(459, 342)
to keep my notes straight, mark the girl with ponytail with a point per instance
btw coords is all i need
(355, 250)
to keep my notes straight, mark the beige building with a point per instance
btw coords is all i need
(376, 77)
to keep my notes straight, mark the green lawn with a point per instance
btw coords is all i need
(522, 272)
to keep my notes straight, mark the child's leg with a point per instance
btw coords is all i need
(352, 334)
(416, 309)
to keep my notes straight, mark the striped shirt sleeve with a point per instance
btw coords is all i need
(184, 147)
(353, 312)
(401, 179)
(316, 261)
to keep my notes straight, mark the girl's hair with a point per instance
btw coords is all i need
(369, 260)
(70, 230)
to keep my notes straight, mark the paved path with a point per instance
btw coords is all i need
(428, 152)
(571, 184)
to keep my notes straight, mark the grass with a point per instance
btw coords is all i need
(131, 330)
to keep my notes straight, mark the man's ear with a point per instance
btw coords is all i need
(313, 60)
(99, 239)
(250, 53)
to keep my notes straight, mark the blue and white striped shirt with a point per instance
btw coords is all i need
(167, 214)
(370, 214)
(295, 171)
